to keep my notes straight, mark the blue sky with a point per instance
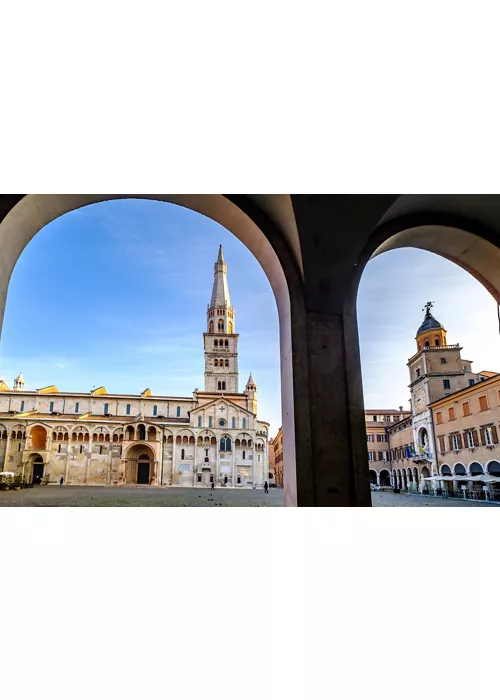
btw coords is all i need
(115, 294)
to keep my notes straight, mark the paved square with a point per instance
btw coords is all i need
(99, 496)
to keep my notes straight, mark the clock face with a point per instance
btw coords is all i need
(420, 398)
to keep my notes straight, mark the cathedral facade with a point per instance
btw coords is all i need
(96, 438)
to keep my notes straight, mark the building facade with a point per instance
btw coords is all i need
(276, 458)
(452, 428)
(116, 439)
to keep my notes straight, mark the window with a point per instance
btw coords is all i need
(446, 383)
(219, 386)
(488, 437)
(51, 406)
(466, 369)
(466, 408)
(183, 452)
(216, 363)
(374, 419)
(471, 382)
(233, 423)
(155, 411)
(81, 449)
(370, 456)
(387, 419)
(483, 403)
(210, 421)
(178, 411)
(436, 342)
(469, 438)
(451, 413)
(222, 423)
(244, 424)
(442, 445)
(128, 409)
(226, 344)
(244, 453)
(454, 442)
(22, 406)
(100, 449)
(199, 421)
(106, 408)
(369, 438)
(443, 360)
(77, 407)
(439, 417)
(417, 372)
(225, 444)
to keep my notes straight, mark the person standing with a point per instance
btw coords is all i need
(61, 481)
(266, 486)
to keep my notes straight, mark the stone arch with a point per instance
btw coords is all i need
(459, 469)
(373, 476)
(475, 469)
(445, 470)
(493, 467)
(136, 457)
(38, 437)
(385, 477)
(256, 221)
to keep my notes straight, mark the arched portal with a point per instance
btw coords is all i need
(373, 476)
(38, 469)
(493, 468)
(385, 477)
(140, 465)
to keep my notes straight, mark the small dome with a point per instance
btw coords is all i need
(429, 323)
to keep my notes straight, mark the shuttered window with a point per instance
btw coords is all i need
(442, 445)
(439, 417)
(466, 408)
(483, 403)
(451, 413)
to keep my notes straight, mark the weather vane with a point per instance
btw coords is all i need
(427, 308)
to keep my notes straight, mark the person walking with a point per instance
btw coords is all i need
(266, 486)
(212, 488)
(61, 481)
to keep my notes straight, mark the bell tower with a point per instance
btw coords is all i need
(221, 342)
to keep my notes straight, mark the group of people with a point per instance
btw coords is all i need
(212, 487)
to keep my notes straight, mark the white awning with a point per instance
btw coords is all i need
(482, 478)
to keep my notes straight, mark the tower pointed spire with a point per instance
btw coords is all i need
(220, 291)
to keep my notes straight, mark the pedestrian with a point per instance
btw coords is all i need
(61, 481)
(266, 486)
(213, 486)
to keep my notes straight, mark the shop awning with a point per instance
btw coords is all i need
(482, 478)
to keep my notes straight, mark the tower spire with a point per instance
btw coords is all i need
(221, 342)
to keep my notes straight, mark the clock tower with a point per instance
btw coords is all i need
(436, 370)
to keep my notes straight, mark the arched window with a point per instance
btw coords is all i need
(22, 406)
(211, 327)
(221, 326)
(155, 411)
(227, 363)
(219, 386)
(437, 342)
(51, 408)
(230, 327)
(128, 409)
(210, 421)
(244, 453)
(223, 386)
(182, 454)
(226, 344)
(178, 411)
(244, 424)
(199, 421)
(216, 343)
(216, 363)
(225, 444)
(233, 423)
(142, 432)
(77, 407)
(106, 408)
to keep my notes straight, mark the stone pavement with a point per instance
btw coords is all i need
(99, 496)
